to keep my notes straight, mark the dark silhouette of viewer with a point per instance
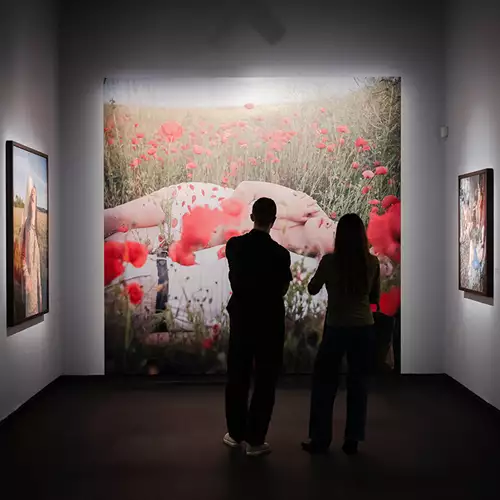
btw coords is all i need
(352, 278)
(259, 273)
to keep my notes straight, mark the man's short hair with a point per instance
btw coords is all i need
(264, 211)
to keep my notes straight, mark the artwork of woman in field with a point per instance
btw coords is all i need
(29, 294)
(30, 254)
(181, 175)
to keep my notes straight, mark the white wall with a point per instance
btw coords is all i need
(115, 39)
(472, 345)
(30, 355)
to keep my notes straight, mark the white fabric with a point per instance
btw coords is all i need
(204, 288)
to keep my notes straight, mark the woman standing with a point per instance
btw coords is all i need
(30, 254)
(352, 278)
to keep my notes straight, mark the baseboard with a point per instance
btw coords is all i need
(471, 394)
(32, 400)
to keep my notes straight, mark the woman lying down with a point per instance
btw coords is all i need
(195, 220)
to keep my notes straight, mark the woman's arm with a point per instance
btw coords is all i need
(375, 289)
(319, 278)
(292, 205)
(147, 211)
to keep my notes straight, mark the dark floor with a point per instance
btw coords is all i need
(99, 439)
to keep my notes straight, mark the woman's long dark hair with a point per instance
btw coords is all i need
(352, 256)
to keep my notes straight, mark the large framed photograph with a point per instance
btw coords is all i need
(182, 169)
(475, 259)
(27, 233)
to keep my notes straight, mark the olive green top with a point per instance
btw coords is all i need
(346, 309)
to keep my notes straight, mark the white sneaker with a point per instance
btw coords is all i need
(229, 441)
(258, 451)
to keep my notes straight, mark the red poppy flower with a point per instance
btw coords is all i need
(381, 170)
(232, 207)
(140, 135)
(360, 142)
(322, 110)
(197, 150)
(324, 131)
(231, 233)
(376, 164)
(136, 253)
(113, 261)
(189, 175)
(366, 148)
(151, 151)
(390, 301)
(136, 125)
(330, 148)
(333, 215)
(207, 343)
(153, 143)
(135, 140)
(384, 232)
(366, 189)
(135, 293)
(368, 174)
(374, 202)
(225, 180)
(191, 165)
(343, 129)
(135, 163)
(171, 131)
(389, 200)
(249, 105)
(178, 253)
(321, 145)
(341, 141)
(355, 165)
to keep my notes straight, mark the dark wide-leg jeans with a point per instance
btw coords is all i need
(258, 350)
(357, 343)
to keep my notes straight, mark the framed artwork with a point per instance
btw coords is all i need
(27, 234)
(475, 219)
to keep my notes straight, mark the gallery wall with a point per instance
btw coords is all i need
(472, 341)
(30, 355)
(152, 38)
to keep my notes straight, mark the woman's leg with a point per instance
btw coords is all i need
(359, 354)
(325, 384)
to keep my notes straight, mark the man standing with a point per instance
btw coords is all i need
(259, 273)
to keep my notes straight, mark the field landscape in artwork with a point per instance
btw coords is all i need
(183, 162)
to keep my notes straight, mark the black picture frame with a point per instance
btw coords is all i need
(487, 290)
(14, 319)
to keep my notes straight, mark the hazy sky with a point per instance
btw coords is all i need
(28, 164)
(223, 92)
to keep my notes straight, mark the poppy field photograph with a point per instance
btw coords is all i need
(185, 159)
